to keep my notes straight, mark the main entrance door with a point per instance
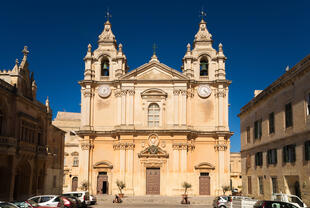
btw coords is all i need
(204, 184)
(102, 183)
(153, 181)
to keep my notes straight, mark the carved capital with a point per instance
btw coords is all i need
(176, 92)
(123, 146)
(220, 93)
(183, 146)
(220, 147)
(86, 146)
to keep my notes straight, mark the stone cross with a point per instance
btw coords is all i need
(154, 49)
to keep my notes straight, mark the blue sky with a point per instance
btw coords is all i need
(260, 38)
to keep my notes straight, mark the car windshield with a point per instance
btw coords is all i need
(295, 200)
(45, 199)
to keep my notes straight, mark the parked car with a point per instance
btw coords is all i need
(26, 204)
(46, 200)
(7, 205)
(68, 202)
(93, 199)
(83, 196)
(273, 204)
(220, 202)
(288, 198)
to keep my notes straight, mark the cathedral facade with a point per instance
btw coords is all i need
(155, 127)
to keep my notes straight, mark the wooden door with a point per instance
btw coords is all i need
(102, 183)
(204, 185)
(153, 181)
(74, 183)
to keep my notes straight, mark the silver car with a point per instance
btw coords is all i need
(220, 202)
(46, 200)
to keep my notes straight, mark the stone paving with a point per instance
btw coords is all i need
(153, 201)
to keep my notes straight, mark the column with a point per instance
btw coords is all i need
(130, 167)
(221, 147)
(176, 106)
(184, 158)
(118, 96)
(131, 106)
(85, 111)
(84, 160)
(122, 160)
(175, 158)
(183, 109)
(123, 107)
(221, 94)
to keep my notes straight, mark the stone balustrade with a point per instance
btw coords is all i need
(7, 141)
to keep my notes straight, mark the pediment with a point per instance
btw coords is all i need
(154, 71)
(154, 92)
(103, 164)
(205, 165)
(153, 151)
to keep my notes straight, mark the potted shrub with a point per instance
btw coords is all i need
(186, 186)
(121, 185)
(225, 189)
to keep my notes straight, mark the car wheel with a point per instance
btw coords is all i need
(222, 206)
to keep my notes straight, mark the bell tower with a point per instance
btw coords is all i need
(108, 61)
(203, 62)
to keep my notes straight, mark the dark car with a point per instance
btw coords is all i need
(273, 204)
(76, 201)
(68, 202)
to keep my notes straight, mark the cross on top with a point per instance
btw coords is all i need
(154, 49)
(202, 14)
(108, 15)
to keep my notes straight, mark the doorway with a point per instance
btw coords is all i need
(153, 181)
(102, 183)
(204, 184)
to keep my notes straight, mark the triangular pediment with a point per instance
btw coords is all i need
(154, 71)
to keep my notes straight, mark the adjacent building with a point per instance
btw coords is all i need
(235, 171)
(154, 127)
(275, 136)
(27, 138)
(70, 123)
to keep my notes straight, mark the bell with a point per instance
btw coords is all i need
(204, 66)
(106, 65)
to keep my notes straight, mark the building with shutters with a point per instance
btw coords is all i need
(275, 137)
(154, 127)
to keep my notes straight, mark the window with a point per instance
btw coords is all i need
(153, 115)
(259, 159)
(1, 122)
(274, 184)
(272, 156)
(307, 150)
(271, 123)
(249, 185)
(258, 129)
(288, 115)
(308, 104)
(248, 135)
(54, 181)
(204, 174)
(261, 184)
(289, 155)
(105, 67)
(75, 162)
(204, 65)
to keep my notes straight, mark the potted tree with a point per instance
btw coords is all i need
(121, 185)
(186, 186)
(225, 189)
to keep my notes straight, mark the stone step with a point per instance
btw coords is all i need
(151, 199)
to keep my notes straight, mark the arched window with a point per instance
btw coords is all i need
(105, 67)
(204, 66)
(1, 122)
(75, 162)
(153, 115)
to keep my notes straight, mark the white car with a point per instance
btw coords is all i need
(288, 198)
(46, 200)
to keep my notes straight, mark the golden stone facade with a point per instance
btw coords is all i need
(154, 127)
(275, 137)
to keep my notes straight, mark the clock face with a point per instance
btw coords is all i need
(104, 91)
(204, 91)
